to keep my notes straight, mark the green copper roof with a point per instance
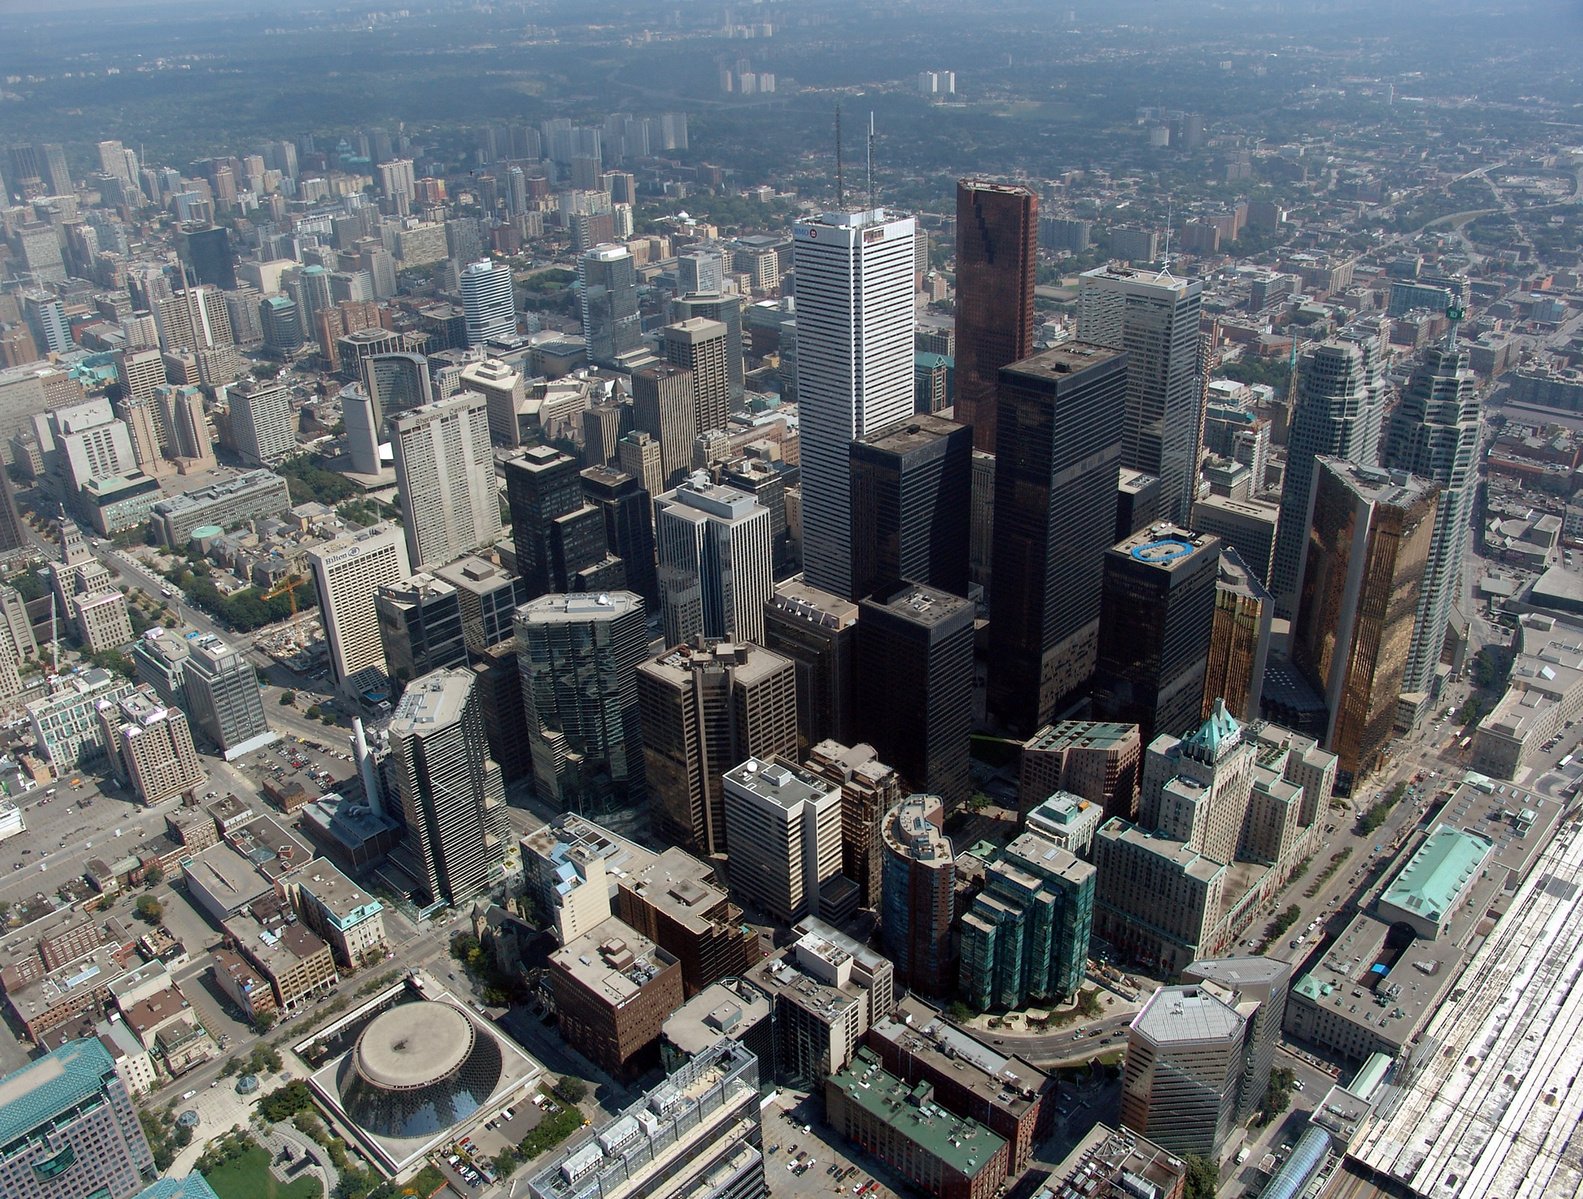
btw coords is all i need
(1221, 730)
(55, 1082)
(194, 1186)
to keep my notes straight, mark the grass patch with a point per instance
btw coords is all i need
(247, 1176)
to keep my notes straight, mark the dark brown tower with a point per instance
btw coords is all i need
(997, 237)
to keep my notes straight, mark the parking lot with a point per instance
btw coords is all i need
(794, 1133)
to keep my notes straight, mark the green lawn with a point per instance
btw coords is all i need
(248, 1177)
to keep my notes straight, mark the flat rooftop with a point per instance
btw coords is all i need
(780, 783)
(613, 960)
(1083, 734)
(1165, 546)
(964, 1145)
(924, 1033)
(722, 1009)
(55, 1082)
(434, 701)
(1063, 360)
(576, 608)
(679, 885)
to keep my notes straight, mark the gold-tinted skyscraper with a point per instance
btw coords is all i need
(997, 240)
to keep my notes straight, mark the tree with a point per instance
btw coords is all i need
(959, 1011)
(263, 1022)
(148, 909)
(571, 1088)
(154, 875)
(288, 698)
(1203, 1178)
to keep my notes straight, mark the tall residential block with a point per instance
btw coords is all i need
(818, 632)
(911, 501)
(489, 301)
(854, 366)
(715, 562)
(997, 236)
(1369, 548)
(727, 309)
(1340, 407)
(226, 701)
(1156, 610)
(1154, 317)
(915, 686)
(74, 1131)
(346, 574)
(445, 476)
(1099, 761)
(699, 345)
(783, 825)
(578, 656)
(1239, 640)
(704, 708)
(1060, 422)
(918, 894)
(151, 746)
(1434, 434)
(452, 797)
(262, 423)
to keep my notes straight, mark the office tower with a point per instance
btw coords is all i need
(280, 324)
(360, 415)
(46, 317)
(150, 744)
(1026, 934)
(102, 620)
(1257, 981)
(75, 1131)
(629, 526)
(505, 396)
(1339, 412)
(225, 698)
(915, 686)
(187, 424)
(1154, 317)
(997, 234)
(1156, 610)
(559, 537)
(39, 249)
(709, 1148)
(917, 904)
(714, 562)
(699, 345)
(1095, 760)
(420, 627)
(489, 301)
(1239, 640)
(452, 799)
(12, 535)
(579, 655)
(1434, 434)
(728, 311)
(783, 825)
(397, 383)
(113, 161)
(193, 319)
(1059, 418)
(854, 366)
(263, 425)
(206, 252)
(347, 572)
(489, 597)
(911, 491)
(398, 183)
(445, 476)
(664, 407)
(1368, 552)
(638, 454)
(869, 789)
(700, 271)
(608, 283)
(704, 709)
(140, 373)
(818, 632)
(676, 901)
(1184, 1068)
(1247, 526)
(604, 424)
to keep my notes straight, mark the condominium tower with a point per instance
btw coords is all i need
(445, 476)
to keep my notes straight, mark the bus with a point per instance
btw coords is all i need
(1465, 742)
(1564, 762)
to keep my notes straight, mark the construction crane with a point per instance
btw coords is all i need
(287, 587)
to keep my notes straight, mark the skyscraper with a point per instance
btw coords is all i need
(69, 1111)
(911, 496)
(578, 656)
(1239, 639)
(1059, 420)
(1339, 412)
(629, 526)
(854, 366)
(699, 345)
(728, 311)
(1154, 317)
(489, 300)
(445, 476)
(1184, 1068)
(608, 283)
(346, 574)
(12, 537)
(714, 562)
(638, 453)
(818, 632)
(206, 250)
(918, 895)
(559, 536)
(397, 382)
(420, 627)
(360, 415)
(1434, 434)
(225, 699)
(784, 828)
(704, 709)
(263, 425)
(997, 236)
(664, 407)
(1157, 607)
(1369, 548)
(915, 686)
(452, 797)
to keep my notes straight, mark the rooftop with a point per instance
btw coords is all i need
(924, 605)
(1067, 358)
(575, 608)
(1083, 734)
(346, 903)
(1438, 872)
(780, 783)
(613, 960)
(679, 885)
(55, 1082)
(224, 873)
(963, 1145)
(722, 1009)
(925, 1034)
(1165, 546)
(436, 700)
(194, 1186)
(797, 598)
(1190, 1014)
(1111, 1161)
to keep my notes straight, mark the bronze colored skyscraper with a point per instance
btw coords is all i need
(997, 239)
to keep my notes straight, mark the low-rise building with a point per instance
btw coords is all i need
(251, 495)
(223, 882)
(1544, 692)
(733, 1008)
(246, 985)
(1067, 821)
(296, 961)
(613, 988)
(675, 902)
(350, 920)
(1114, 1162)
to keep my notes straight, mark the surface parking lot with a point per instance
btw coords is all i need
(794, 1131)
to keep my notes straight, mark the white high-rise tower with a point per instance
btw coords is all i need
(854, 366)
(445, 475)
(488, 301)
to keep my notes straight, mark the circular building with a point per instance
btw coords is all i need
(417, 1069)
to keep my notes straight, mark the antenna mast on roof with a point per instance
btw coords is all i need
(871, 160)
(840, 183)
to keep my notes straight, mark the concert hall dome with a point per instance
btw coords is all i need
(417, 1069)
